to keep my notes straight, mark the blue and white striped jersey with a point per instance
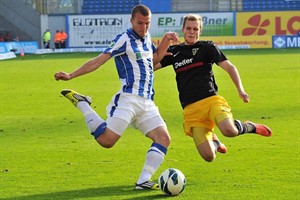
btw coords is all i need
(134, 61)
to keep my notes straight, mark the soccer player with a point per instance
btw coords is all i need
(203, 108)
(135, 56)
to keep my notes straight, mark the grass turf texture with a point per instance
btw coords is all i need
(46, 151)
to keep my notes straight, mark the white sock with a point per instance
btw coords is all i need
(216, 144)
(91, 118)
(154, 158)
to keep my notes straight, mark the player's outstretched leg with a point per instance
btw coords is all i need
(75, 97)
(221, 148)
(94, 122)
(261, 129)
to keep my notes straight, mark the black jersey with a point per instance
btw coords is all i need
(193, 67)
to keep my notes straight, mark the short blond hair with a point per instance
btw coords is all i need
(192, 17)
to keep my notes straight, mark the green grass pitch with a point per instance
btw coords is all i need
(46, 151)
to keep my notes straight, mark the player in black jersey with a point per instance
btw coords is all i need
(203, 108)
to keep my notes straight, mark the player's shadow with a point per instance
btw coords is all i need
(113, 192)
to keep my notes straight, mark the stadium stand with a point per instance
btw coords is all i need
(125, 6)
(108, 6)
(271, 5)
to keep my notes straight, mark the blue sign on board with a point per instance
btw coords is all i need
(286, 41)
(28, 47)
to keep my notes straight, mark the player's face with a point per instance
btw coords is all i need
(140, 24)
(191, 32)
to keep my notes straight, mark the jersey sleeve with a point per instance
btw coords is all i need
(117, 46)
(216, 53)
(167, 60)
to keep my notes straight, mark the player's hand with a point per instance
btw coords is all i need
(62, 76)
(245, 97)
(172, 36)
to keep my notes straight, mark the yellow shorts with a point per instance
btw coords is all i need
(204, 114)
(201, 135)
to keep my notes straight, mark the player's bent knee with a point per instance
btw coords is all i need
(167, 139)
(209, 158)
(161, 137)
(228, 128)
(229, 132)
(164, 139)
(105, 144)
(206, 152)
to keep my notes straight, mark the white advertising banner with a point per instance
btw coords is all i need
(95, 30)
(100, 30)
(214, 24)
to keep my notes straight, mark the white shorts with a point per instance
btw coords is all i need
(126, 108)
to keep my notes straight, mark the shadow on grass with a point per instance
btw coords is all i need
(114, 192)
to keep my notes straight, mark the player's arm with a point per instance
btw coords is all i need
(157, 66)
(163, 46)
(235, 77)
(87, 67)
(167, 60)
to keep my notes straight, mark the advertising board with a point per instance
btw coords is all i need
(100, 30)
(267, 23)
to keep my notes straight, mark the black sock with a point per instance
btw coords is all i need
(244, 127)
(240, 126)
(250, 128)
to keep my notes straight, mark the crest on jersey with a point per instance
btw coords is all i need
(111, 44)
(194, 51)
(138, 55)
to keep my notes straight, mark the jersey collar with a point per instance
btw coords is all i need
(136, 36)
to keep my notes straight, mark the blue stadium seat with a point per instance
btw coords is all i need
(270, 5)
(108, 6)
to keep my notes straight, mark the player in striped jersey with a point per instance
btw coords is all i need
(135, 57)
